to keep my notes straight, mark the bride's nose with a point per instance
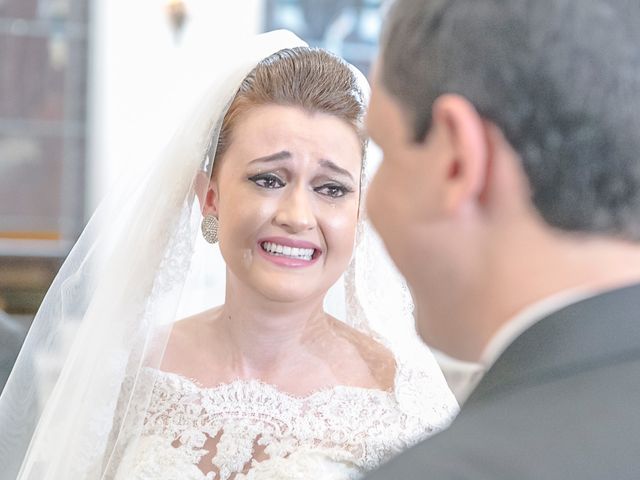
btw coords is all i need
(295, 211)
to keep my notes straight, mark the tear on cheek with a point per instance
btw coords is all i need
(247, 257)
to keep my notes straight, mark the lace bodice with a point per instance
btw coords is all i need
(251, 430)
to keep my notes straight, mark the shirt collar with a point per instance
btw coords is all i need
(527, 317)
(464, 376)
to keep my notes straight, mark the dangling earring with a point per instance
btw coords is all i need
(210, 228)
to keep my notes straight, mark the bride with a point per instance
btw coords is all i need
(289, 377)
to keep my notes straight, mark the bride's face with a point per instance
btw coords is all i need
(286, 195)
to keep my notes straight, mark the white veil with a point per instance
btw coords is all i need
(139, 266)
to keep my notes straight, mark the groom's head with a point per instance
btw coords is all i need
(505, 125)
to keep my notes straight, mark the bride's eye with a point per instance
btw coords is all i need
(333, 190)
(267, 180)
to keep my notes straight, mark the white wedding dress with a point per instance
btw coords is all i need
(251, 430)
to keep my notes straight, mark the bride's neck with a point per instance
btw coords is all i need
(260, 335)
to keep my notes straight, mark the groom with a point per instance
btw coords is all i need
(509, 197)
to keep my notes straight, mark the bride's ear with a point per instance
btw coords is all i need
(206, 190)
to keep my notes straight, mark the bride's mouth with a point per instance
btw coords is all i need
(289, 252)
(286, 251)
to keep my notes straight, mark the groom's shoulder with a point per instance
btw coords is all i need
(477, 446)
(584, 425)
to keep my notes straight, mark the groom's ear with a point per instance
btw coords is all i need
(460, 131)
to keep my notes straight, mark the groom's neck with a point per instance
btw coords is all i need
(516, 274)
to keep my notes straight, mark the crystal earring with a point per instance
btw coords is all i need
(210, 228)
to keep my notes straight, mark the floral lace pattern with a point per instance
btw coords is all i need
(250, 430)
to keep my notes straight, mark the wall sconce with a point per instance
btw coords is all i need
(177, 12)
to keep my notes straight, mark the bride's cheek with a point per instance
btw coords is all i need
(340, 228)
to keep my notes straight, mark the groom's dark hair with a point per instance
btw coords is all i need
(561, 78)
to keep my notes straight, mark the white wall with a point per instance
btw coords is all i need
(142, 80)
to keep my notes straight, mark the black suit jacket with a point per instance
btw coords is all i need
(562, 402)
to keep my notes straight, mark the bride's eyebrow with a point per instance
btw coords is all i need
(282, 155)
(332, 166)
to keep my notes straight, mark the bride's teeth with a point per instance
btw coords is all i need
(295, 252)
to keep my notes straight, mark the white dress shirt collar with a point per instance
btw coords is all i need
(464, 376)
(526, 318)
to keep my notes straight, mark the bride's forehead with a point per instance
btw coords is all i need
(298, 132)
(273, 121)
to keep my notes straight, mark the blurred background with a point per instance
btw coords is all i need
(89, 86)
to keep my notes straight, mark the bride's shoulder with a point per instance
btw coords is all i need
(186, 340)
(376, 359)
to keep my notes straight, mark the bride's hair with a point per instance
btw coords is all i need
(310, 78)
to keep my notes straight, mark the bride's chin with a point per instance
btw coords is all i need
(286, 288)
(285, 293)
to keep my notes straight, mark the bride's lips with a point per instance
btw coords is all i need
(285, 260)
